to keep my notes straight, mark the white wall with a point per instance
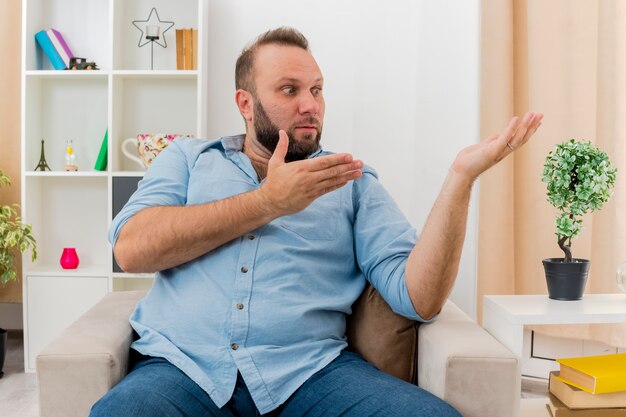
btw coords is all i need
(401, 89)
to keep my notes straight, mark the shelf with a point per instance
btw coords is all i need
(128, 173)
(85, 26)
(69, 174)
(127, 55)
(64, 212)
(60, 108)
(156, 74)
(151, 104)
(51, 270)
(66, 74)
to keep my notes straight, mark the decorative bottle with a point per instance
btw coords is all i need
(70, 157)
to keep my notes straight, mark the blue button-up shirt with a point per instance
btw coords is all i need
(271, 304)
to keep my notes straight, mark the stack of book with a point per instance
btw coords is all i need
(591, 386)
(54, 46)
(186, 49)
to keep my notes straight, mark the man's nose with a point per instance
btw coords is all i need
(309, 103)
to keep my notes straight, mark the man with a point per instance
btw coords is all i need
(262, 242)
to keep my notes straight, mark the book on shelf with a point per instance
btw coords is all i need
(180, 50)
(598, 374)
(194, 50)
(60, 45)
(186, 49)
(576, 398)
(101, 161)
(558, 409)
(48, 48)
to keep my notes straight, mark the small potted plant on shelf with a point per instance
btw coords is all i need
(14, 237)
(579, 180)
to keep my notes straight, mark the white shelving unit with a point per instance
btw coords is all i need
(125, 98)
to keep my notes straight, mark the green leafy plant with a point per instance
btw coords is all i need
(14, 236)
(580, 179)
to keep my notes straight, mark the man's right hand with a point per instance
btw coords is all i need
(291, 187)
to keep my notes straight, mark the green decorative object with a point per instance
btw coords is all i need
(42, 165)
(580, 178)
(14, 236)
(101, 161)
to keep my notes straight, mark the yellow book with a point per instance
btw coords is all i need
(595, 374)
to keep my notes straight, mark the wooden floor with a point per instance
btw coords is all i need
(18, 391)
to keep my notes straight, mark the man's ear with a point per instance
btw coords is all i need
(243, 99)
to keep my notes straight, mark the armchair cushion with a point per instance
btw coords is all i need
(458, 360)
(384, 338)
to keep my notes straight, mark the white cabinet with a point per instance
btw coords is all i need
(48, 315)
(124, 98)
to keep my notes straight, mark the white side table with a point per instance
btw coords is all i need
(504, 316)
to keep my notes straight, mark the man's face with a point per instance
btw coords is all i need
(288, 96)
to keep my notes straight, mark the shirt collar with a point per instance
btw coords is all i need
(233, 143)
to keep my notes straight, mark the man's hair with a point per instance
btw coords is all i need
(245, 63)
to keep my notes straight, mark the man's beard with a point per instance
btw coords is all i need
(267, 134)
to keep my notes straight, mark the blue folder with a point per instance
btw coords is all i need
(44, 41)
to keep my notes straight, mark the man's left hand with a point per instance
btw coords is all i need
(476, 159)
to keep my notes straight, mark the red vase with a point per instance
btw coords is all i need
(69, 258)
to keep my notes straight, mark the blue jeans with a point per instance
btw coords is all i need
(348, 386)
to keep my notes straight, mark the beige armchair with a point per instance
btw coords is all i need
(452, 357)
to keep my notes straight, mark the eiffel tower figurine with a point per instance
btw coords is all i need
(42, 165)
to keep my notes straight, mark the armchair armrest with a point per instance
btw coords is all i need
(88, 358)
(463, 364)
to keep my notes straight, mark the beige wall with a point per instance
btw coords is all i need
(10, 38)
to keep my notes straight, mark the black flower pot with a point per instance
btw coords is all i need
(3, 349)
(566, 280)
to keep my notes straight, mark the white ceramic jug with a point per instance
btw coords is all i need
(146, 146)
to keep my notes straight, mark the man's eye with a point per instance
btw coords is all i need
(316, 91)
(288, 90)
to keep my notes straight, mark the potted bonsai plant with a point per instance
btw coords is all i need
(14, 237)
(579, 180)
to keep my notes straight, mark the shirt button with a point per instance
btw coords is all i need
(239, 306)
(251, 237)
(244, 269)
(234, 346)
